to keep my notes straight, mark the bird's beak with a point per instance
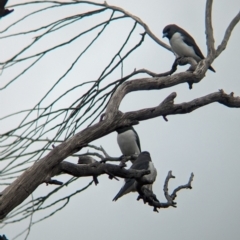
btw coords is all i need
(164, 35)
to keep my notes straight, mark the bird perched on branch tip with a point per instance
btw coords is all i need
(128, 141)
(143, 162)
(182, 43)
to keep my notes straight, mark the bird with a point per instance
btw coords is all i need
(128, 141)
(143, 162)
(182, 43)
(3, 11)
(3, 237)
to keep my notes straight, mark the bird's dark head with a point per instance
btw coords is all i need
(145, 154)
(169, 30)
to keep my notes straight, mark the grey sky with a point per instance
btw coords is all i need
(205, 142)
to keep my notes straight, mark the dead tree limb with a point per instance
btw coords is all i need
(149, 197)
(21, 188)
(52, 163)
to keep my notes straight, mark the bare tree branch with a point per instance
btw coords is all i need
(86, 157)
(227, 35)
(209, 28)
(20, 189)
(115, 8)
(144, 193)
(169, 108)
(96, 169)
(143, 24)
(147, 84)
(186, 186)
(149, 197)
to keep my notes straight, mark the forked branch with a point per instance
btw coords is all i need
(149, 197)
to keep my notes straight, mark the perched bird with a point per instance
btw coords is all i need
(143, 162)
(3, 237)
(183, 45)
(128, 141)
(3, 11)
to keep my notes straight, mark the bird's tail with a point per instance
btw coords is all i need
(118, 196)
(128, 187)
(122, 192)
(211, 68)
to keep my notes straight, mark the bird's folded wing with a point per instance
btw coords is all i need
(191, 42)
(129, 186)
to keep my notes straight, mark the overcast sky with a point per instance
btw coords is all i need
(205, 142)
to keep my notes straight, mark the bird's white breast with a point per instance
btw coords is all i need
(127, 143)
(151, 177)
(180, 48)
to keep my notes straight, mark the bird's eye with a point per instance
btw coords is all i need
(166, 30)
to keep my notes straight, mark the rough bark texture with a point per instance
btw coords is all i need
(20, 189)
